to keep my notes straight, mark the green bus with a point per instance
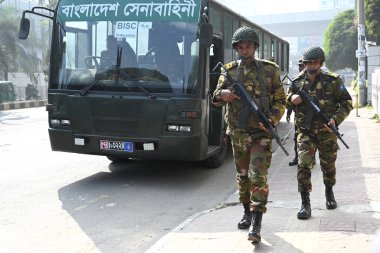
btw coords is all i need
(132, 78)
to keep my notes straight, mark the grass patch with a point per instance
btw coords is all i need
(376, 117)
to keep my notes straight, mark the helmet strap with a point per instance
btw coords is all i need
(313, 71)
(245, 58)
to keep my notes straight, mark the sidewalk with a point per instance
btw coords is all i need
(349, 228)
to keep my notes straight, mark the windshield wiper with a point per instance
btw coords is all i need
(145, 91)
(106, 72)
(118, 62)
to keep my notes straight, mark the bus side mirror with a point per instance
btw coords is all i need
(205, 36)
(24, 29)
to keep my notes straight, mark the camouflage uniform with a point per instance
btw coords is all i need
(252, 147)
(330, 94)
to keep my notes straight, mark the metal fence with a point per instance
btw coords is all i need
(20, 92)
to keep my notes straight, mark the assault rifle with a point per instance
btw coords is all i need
(247, 99)
(308, 100)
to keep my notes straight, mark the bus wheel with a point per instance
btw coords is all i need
(117, 159)
(215, 161)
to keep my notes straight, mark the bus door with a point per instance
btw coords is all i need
(216, 113)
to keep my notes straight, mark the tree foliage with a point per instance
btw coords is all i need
(7, 46)
(13, 55)
(52, 4)
(372, 14)
(340, 42)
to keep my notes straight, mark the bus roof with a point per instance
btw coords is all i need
(240, 17)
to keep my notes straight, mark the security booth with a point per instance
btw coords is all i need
(7, 91)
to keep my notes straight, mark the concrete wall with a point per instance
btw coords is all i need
(373, 79)
(375, 96)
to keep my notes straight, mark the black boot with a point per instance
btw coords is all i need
(247, 217)
(254, 234)
(330, 199)
(294, 162)
(305, 212)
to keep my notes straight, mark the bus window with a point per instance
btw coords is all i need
(280, 57)
(191, 85)
(267, 47)
(275, 50)
(216, 20)
(235, 26)
(228, 38)
(151, 52)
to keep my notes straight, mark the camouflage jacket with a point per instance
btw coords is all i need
(248, 75)
(330, 95)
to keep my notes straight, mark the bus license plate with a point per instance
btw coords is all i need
(116, 145)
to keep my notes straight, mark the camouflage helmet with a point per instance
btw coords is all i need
(245, 33)
(313, 53)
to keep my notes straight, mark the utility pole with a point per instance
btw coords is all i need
(361, 55)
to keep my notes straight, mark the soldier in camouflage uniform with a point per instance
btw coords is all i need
(251, 142)
(330, 94)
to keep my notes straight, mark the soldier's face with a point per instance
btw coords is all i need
(246, 49)
(313, 67)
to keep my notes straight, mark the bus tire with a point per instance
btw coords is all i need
(215, 161)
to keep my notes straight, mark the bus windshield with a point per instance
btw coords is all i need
(160, 56)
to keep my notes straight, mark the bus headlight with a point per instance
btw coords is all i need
(185, 129)
(55, 122)
(62, 122)
(65, 122)
(173, 128)
(179, 128)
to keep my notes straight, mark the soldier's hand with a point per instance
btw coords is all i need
(296, 99)
(228, 96)
(262, 127)
(331, 123)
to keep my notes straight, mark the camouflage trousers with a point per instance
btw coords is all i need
(252, 156)
(327, 146)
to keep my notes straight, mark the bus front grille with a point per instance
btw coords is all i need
(112, 127)
(116, 117)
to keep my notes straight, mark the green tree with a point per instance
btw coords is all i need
(13, 56)
(52, 4)
(340, 41)
(372, 13)
(7, 46)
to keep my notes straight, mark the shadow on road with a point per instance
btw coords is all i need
(129, 208)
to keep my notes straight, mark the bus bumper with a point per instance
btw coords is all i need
(183, 148)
